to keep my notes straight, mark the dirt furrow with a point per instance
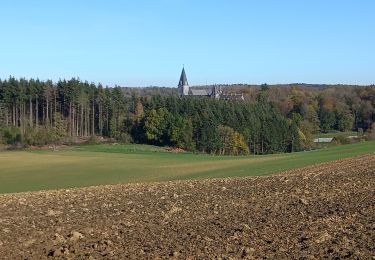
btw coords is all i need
(326, 210)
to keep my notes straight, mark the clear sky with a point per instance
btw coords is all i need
(142, 43)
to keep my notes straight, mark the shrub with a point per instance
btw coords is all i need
(2, 141)
(12, 135)
(124, 138)
(93, 140)
(342, 139)
(370, 135)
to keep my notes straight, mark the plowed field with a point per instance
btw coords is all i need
(326, 210)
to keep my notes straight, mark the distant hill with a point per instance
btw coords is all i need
(245, 88)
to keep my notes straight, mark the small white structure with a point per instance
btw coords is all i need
(324, 140)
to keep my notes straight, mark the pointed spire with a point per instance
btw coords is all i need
(183, 80)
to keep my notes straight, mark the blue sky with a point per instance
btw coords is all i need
(145, 42)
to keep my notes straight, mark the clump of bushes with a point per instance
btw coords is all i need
(37, 136)
(124, 138)
(370, 135)
(342, 139)
(93, 140)
(11, 136)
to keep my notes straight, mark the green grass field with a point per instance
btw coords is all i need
(110, 164)
(336, 134)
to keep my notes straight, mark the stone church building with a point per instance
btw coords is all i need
(215, 92)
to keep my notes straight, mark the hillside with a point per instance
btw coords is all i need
(326, 210)
(165, 91)
(93, 165)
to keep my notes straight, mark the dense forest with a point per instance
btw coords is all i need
(271, 119)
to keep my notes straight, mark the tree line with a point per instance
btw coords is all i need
(272, 119)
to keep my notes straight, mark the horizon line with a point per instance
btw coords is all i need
(193, 85)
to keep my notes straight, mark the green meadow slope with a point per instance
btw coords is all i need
(111, 164)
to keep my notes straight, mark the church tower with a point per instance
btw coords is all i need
(183, 86)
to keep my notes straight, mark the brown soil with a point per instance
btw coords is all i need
(322, 211)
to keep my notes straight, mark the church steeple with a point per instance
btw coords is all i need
(183, 79)
(183, 85)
